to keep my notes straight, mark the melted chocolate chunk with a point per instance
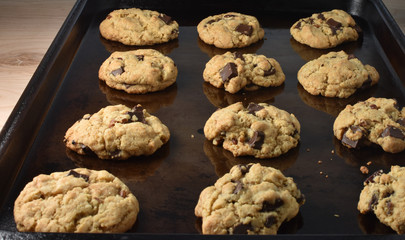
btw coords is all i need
(78, 175)
(86, 149)
(117, 71)
(253, 108)
(390, 207)
(270, 221)
(334, 25)
(244, 168)
(239, 186)
(139, 57)
(138, 112)
(242, 228)
(238, 55)
(229, 71)
(244, 29)
(269, 72)
(165, 18)
(394, 132)
(234, 141)
(211, 21)
(298, 26)
(355, 128)
(370, 179)
(257, 140)
(348, 142)
(373, 202)
(123, 193)
(401, 121)
(269, 207)
(373, 106)
(321, 16)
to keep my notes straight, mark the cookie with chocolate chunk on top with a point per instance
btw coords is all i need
(230, 30)
(258, 130)
(79, 200)
(374, 121)
(134, 26)
(138, 71)
(250, 199)
(384, 195)
(117, 132)
(235, 71)
(326, 29)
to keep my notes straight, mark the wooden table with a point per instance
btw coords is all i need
(27, 29)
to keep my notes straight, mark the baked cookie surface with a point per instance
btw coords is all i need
(235, 71)
(78, 200)
(230, 30)
(326, 29)
(384, 195)
(117, 132)
(336, 74)
(139, 71)
(250, 199)
(258, 130)
(134, 26)
(376, 120)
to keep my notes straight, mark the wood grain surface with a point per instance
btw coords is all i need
(28, 27)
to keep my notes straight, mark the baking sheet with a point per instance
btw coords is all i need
(168, 183)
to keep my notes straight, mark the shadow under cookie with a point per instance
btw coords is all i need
(223, 160)
(152, 102)
(133, 169)
(370, 224)
(221, 98)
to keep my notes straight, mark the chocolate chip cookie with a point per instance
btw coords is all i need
(383, 194)
(258, 130)
(374, 121)
(117, 132)
(336, 74)
(230, 30)
(326, 29)
(78, 200)
(139, 71)
(134, 26)
(250, 199)
(235, 71)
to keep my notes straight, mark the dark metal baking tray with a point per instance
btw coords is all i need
(167, 184)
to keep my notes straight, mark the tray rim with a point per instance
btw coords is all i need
(18, 116)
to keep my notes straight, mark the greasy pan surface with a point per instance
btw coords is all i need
(168, 183)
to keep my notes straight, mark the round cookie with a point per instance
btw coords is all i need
(139, 71)
(235, 71)
(326, 29)
(259, 130)
(117, 132)
(376, 120)
(336, 74)
(250, 199)
(230, 30)
(384, 195)
(79, 200)
(134, 26)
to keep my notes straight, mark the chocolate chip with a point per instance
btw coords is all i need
(138, 112)
(334, 25)
(244, 29)
(370, 179)
(257, 140)
(270, 221)
(123, 193)
(73, 142)
(300, 199)
(321, 16)
(115, 154)
(394, 132)
(373, 106)
(211, 21)
(165, 18)
(238, 55)
(234, 141)
(244, 168)
(355, 128)
(253, 108)
(351, 56)
(390, 207)
(228, 71)
(78, 175)
(401, 122)
(269, 207)
(109, 16)
(139, 57)
(298, 26)
(242, 228)
(269, 72)
(239, 186)
(86, 149)
(348, 142)
(117, 71)
(373, 202)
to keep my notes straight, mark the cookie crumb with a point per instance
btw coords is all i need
(308, 149)
(369, 163)
(320, 173)
(336, 215)
(364, 170)
(333, 151)
(319, 162)
(192, 135)
(326, 176)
